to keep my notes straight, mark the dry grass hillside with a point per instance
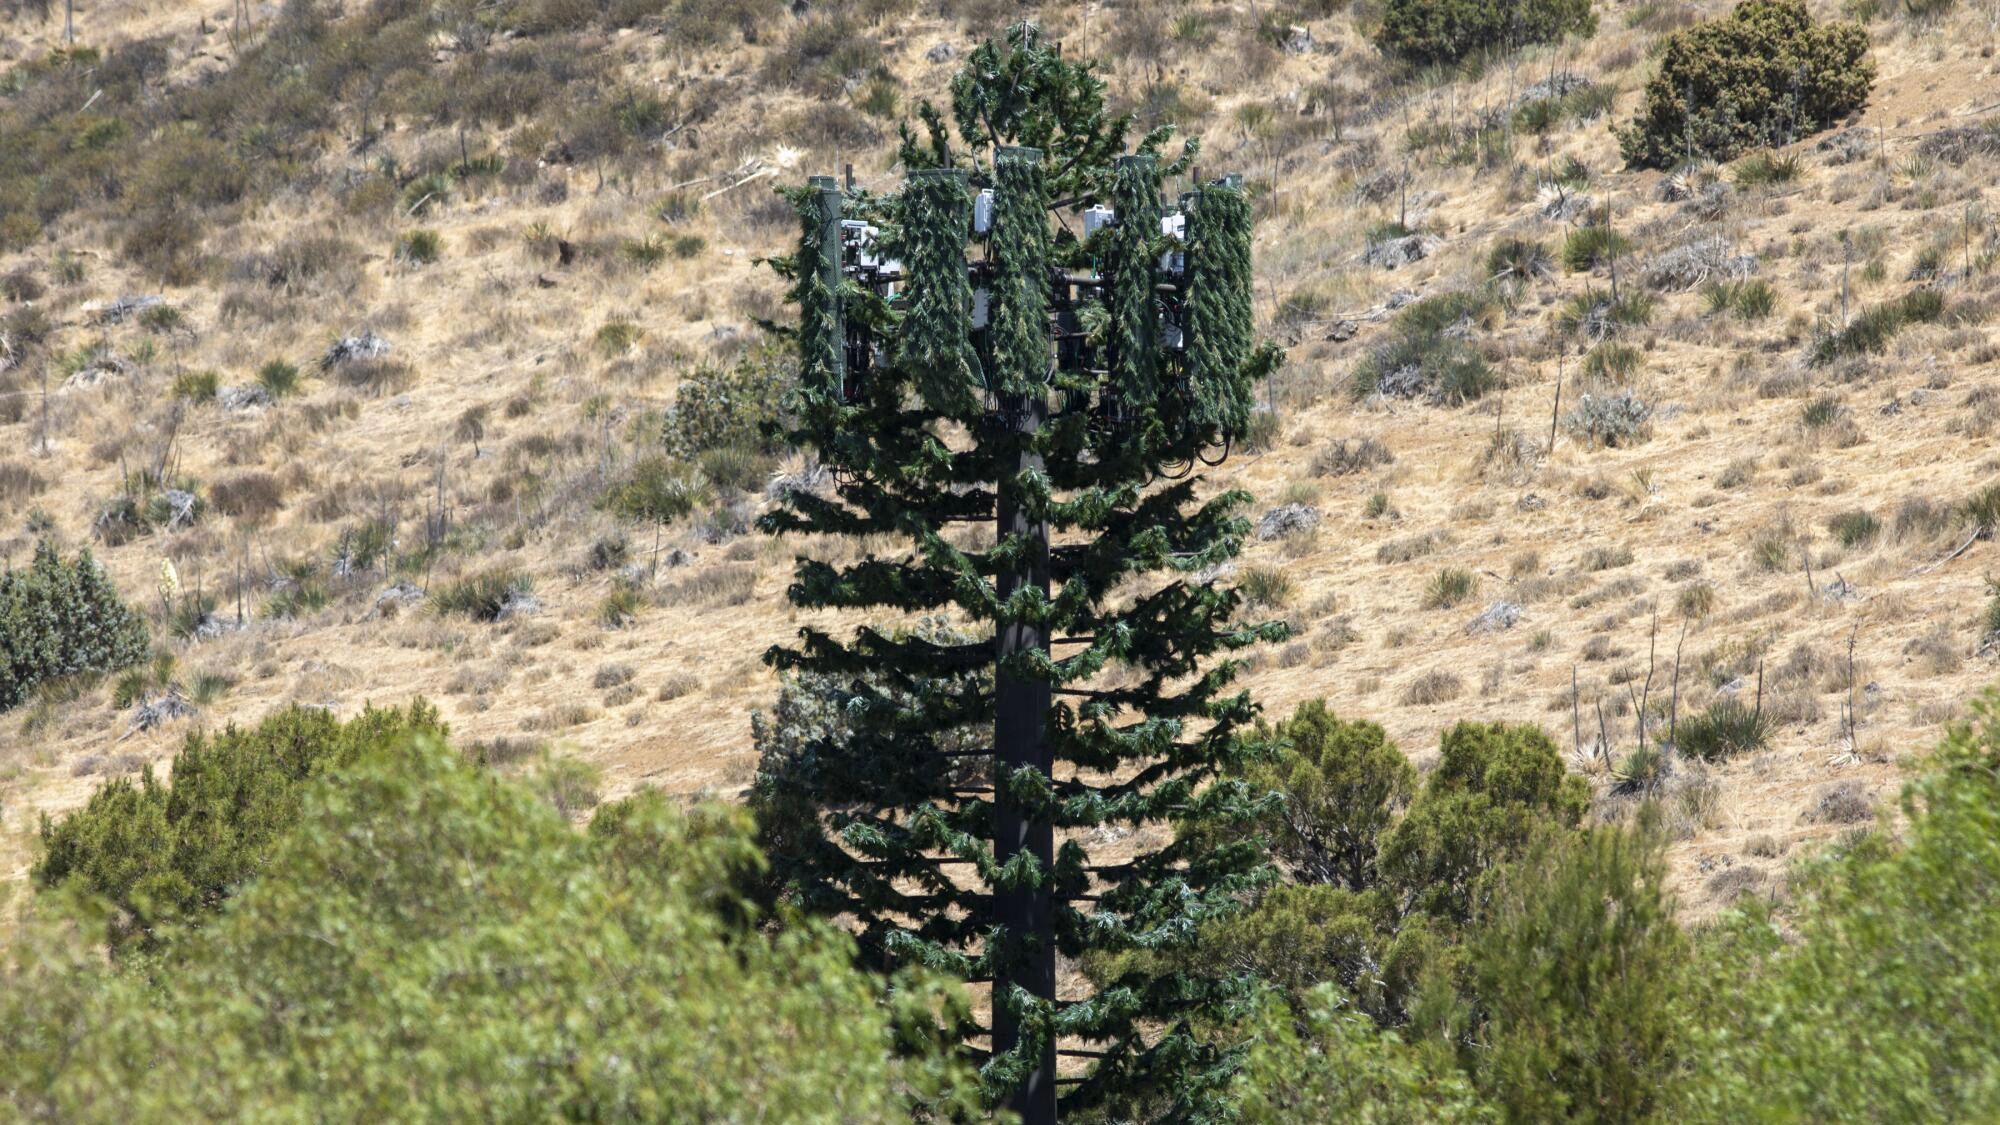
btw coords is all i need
(553, 217)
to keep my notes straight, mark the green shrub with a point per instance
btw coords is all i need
(1266, 587)
(644, 253)
(197, 386)
(1495, 787)
(1765, 169)
(1874, 997)
(1748, 300)
(1765, 74)
(1856, 528)
(419, 247)
(1822, 412)
(677, 207)
(1450, 587)
(1871, 330)
(1318, 1062)
(1723, 730)
(728, 406)
(278, 377)
(616, 337)
(1593, 247)
(175, 851)
(1612, 362)
(1342, 782)
(523, 967)
(656, 490)
(1982, 510)
(1519, 259)
(1428, 355)
(426, 192)
(1577, 971)
(59, 619)
(484, 596)
(1429, 32)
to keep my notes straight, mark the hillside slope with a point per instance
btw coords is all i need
(595, 188)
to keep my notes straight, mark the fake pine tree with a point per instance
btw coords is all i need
(1014, 417)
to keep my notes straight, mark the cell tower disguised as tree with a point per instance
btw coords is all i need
(1025, 338)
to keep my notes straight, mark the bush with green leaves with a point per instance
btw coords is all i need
(1575, 968)
(1871, 330)
(1616, 418)
(1431, 32)
(1877, 999)
(62, 618)
(1722, 730)
(174, 851)
(1383, 872)
(1429, 353)
(426, 940)
(1468, 951)
(1325, 1061)
(1766, 74)
(486, 595)
(729, 406)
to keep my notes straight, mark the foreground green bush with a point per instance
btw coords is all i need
(430, 942)
(174, 851)
(1443, 31)
(1764, 75)
(61, 618)
(1877, 999)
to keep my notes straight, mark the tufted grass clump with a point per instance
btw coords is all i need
(1449, 588)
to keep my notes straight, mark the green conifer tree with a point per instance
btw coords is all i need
(1109, 700)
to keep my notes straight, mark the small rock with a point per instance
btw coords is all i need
(1210, 574)
(244, 396)
(1560, 205)
(1531, 503)
(1343, 331)
(1498, 617)
(347, 349)
(517, 603)
(180, 505)
(1287, 519)
(942, 53)
(401, 592)
(122, 309)
(1395, 253)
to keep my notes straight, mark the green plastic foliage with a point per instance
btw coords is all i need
(175, 851)
(1131, 278)
(1024, 92)
(1326, 1062)
(1765, 74)
(816, 288)
(59, 619)
(1878, 999)
(1020, 285)
(933, 348)
(859, 805)
(1430, 32)
(1219, 316)
(430, 942)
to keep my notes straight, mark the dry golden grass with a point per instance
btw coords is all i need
(1707, 524)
